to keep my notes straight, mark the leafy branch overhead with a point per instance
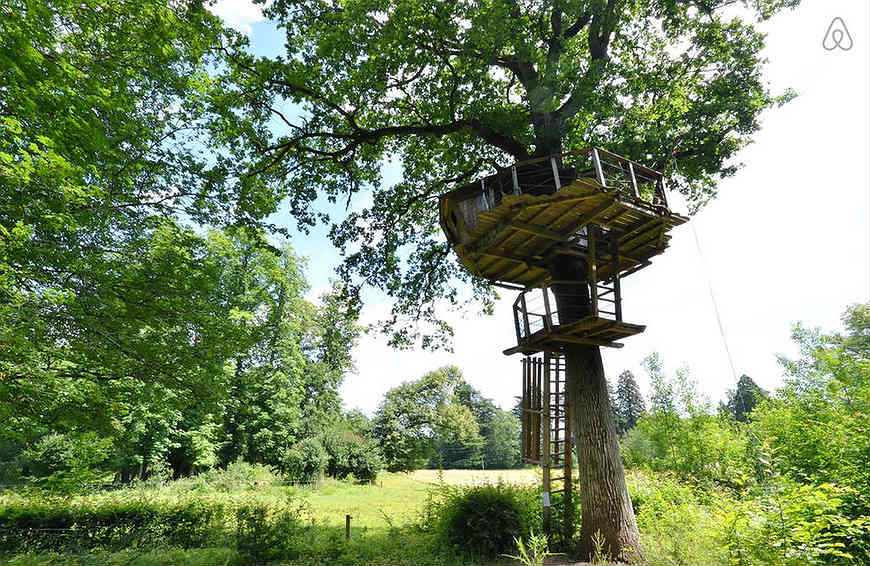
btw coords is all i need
(454, 90)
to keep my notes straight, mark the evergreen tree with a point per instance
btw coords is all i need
(742, 400)
(629, 401)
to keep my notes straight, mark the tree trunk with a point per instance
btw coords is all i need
(606, 507)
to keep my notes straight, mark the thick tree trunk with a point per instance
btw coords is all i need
(606, 507)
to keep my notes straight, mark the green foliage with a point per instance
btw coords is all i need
(305, 461)
(484, 520)
(502, 448)
(531, 551)
(454, 90)
(42, 524)
(351, 454)
(742, 400)
(790, 523)
(442, 421)
(65, 463)
(630, 406)
(264, 534)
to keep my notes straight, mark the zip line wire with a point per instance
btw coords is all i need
(706, 270)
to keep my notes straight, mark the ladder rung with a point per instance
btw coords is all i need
(557, 479)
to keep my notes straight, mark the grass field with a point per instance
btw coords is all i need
(386, 525)
(395, 498)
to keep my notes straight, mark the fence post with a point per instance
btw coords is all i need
(347, 527)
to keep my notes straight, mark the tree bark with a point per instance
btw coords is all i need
(606, 506)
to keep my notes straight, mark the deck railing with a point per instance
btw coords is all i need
(537, 310)
(612, 172)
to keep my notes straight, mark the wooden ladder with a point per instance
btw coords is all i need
(547, 439)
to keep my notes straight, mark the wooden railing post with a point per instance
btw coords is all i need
(633, 180)
(593, 275)
(599, 172)
(555, 168)
(548, 322)
(515, 180)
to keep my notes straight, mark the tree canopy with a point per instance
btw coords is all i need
(454, 90)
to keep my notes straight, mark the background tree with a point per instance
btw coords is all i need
(742, 400)
(630, 405)
(457, 89)
(502, 447)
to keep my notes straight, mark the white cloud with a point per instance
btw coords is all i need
(239, 14)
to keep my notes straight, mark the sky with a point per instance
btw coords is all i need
(787, 239)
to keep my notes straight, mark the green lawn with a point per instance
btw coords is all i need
(395, 497)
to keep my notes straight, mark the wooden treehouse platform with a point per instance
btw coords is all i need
(511, 226)
(542, 327)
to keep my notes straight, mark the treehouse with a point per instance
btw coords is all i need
(514, 226)
(510, 226)
(590, 214)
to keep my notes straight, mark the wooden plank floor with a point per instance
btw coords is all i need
(590, 330)
(516, 240)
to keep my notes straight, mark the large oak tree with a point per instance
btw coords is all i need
(456, 89)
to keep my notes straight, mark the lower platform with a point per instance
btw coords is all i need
(591, 330)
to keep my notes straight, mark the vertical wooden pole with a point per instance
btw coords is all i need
(617, 290)
(598, 170)
(545, 495)
(548, 322)
(593, 273)
(525, 314)
(556, 179)
(515, 180)
(568, 504)
(537, 413)
(523, 412)
(633, 180)
(347, 527)
(660, 187)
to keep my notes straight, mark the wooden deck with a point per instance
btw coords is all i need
(517, 240)
(590, 330)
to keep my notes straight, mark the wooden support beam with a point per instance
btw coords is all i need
(641, 228)
(541, 231)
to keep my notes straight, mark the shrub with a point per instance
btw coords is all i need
(264, 533)
(484, 520)
(350, 453)
(55, 523)
(306, 461)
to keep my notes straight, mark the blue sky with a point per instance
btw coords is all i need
(787, 240)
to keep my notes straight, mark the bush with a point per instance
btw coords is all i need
(236, 476)
(350, 453)
(264, 533)
(306, 461)
(484, 520)
(56, 524)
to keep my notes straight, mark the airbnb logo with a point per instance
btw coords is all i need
(837, 36)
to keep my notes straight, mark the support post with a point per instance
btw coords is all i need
(525, 314)
(568, 503)
(556, 179)
(633, 180)
(617, 289)
(347, 527)
(593, 274)
(598, 170)
(545, 412)
(515, 180)
(548, 322)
